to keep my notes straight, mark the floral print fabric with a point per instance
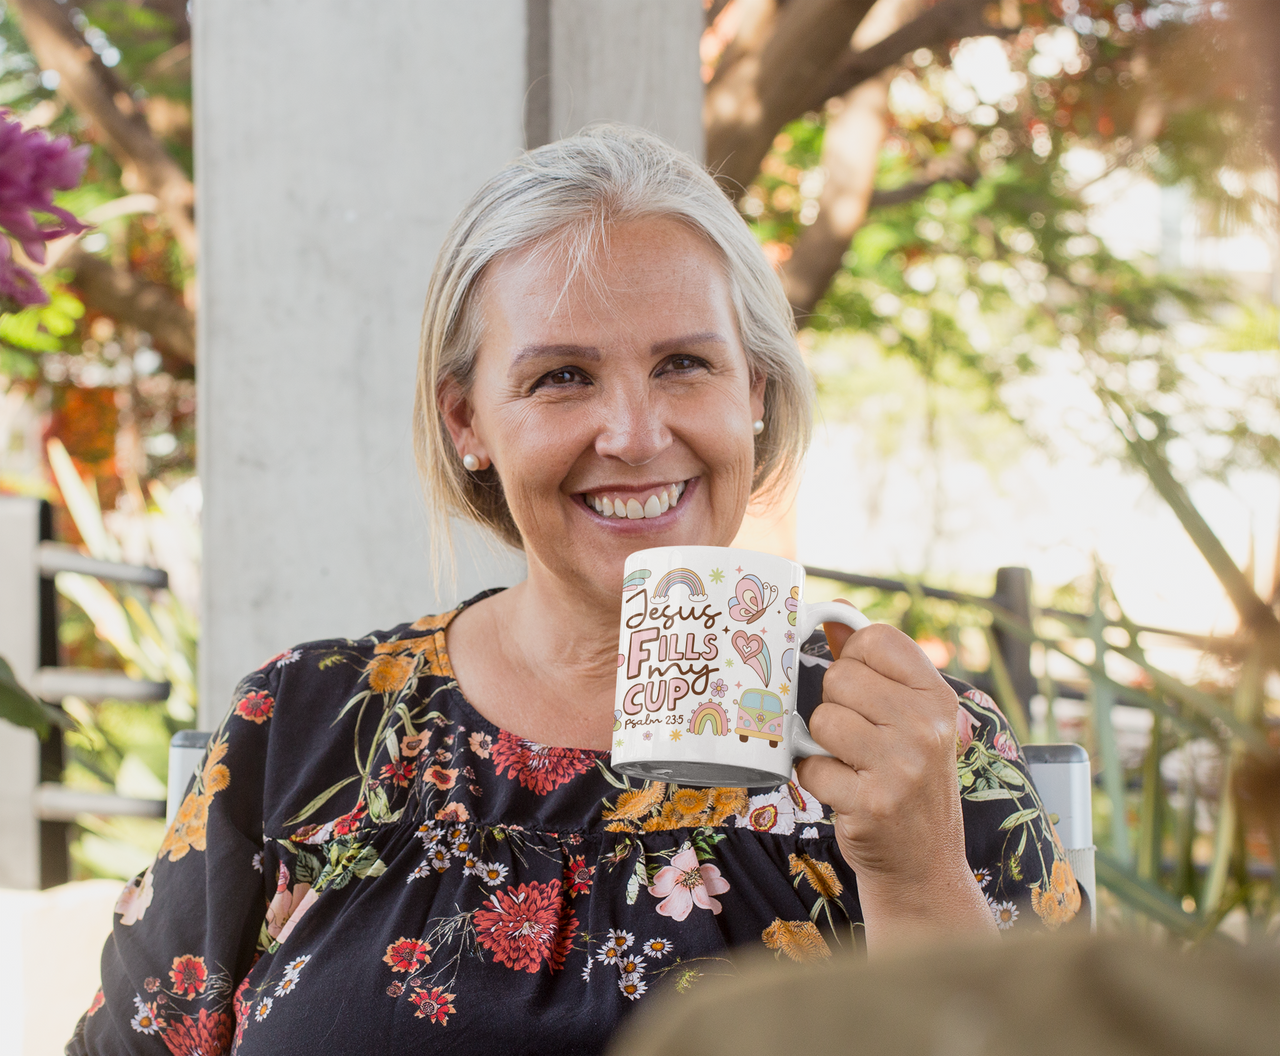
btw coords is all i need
(364, 864)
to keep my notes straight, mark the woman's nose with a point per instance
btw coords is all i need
(633, 430)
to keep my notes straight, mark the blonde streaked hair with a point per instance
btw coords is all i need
(563, 198)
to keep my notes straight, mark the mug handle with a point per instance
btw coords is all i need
(802, 744)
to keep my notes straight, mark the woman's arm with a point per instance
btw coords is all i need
(186, 930)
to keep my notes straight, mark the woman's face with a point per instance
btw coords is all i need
(622, 389)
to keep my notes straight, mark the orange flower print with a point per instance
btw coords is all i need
(1060, 900)
(394, 663)
(389, 673)
(440, 777)
(800, 940)
(411, 746)
(188, 974)
(188, 830)
(98, 1001)
(256, 707)
(527, 926)
(433, 1005)
(454, 812)
(407, 955)
(480, 743)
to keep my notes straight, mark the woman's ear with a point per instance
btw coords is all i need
(456, 411)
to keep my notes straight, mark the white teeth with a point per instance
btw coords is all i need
(654, 506)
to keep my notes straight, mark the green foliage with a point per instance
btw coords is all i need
(22, 709)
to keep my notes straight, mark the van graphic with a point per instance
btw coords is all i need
(760, 714)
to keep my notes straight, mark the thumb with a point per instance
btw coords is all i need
(837, 633)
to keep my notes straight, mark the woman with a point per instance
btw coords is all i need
(415, 838)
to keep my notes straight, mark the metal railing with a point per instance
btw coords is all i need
(36, 809)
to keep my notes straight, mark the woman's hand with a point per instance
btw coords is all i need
(889, 719)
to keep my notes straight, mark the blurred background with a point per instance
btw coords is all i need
(1032, 252)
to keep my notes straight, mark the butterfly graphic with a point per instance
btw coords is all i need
(752, 599)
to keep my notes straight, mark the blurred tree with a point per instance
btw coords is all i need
(932, 194)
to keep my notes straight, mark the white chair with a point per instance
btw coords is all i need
(1062, 776)
(1060, 772)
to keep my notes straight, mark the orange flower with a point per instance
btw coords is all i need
(821, 875)
(389, 673)
(1060, 900)
(256, 707)
(727, 803)
(636, 802)
(455, 812)
(667, 820)
(407, 955)
(440, 777)
(188, 974)
(690, 803)
(798, 939)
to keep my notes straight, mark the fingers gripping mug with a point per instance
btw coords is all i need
(708, 666)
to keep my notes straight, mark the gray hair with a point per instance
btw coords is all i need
(566, 195)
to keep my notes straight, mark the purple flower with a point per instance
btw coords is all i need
(718, 688)
(32, 167)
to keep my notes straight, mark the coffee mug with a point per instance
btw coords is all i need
(708, 664)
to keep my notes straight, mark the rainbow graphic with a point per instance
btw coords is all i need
(709, 713)
(680, 577)
(636, 580)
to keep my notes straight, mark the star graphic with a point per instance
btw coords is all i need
(784, 689)
(619, 743)
(716, 575)
(726, 630)
(737, 685)
(738, 569)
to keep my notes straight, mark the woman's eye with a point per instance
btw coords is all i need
(559, 378)
(684, 364)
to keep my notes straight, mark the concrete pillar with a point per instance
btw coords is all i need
(20, 646)
(335, 141)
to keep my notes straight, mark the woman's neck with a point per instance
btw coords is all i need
(540, 660)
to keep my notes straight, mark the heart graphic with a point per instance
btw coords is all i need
(754, 653)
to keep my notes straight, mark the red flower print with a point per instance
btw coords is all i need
(201, 1035)
(242, 1005)
(256, 707)
(395, 989)
(527, 925)
(98, 1001)
(349, 822)
(433, 1005)
(188, 974)
(538, 766)
(440, 777)
(407, 955)
(400, 773)
(577, 876)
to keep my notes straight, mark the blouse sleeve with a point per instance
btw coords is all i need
(186, 930)
(1012, 847)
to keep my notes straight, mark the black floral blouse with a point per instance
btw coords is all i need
(364, 864)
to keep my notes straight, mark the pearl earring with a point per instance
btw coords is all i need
(470, 462)
(757, 426)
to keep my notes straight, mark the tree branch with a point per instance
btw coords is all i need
(766, 74)
(946, 169)
(850, 149)
(946, 20)
(130, 299)
(98, 95)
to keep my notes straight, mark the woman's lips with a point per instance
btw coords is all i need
(636, 506)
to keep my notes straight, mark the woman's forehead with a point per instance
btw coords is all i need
(643, 272)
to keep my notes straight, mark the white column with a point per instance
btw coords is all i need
(634, 61)
(20, 646)
(336, 139)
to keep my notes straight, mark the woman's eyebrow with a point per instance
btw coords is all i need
(531, 352)
(674, 344)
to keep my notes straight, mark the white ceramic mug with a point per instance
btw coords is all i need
(708, 664)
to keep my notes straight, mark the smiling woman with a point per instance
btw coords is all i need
(418, 832)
